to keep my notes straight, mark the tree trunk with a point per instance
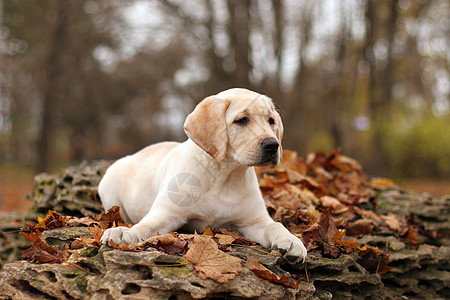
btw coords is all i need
(238, 32)
(380, 84)
(52, 72)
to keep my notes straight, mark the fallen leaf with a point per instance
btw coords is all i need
(38, 240)
(292, 161)
(367, 214)
(348, 245)
(412, 235)
(335, 204)
(359, 228)
(224, 239)
(392, 221)
(78, 222)
(39, 255)
(76, 244)
(295, 177)
(256, 267)
(306, 195)
(74, 257)
(207, 231)
(321, 235)
(111, 219)
(50, 221)
(381, 182)
(165, 239)
(346, 164)
(373, 259)
(310, 237)
(238, 239)
(96, 233)
(89, 242)
(314, 213)
(210, 262)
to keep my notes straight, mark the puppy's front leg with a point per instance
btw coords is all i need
(269, 233)
(158, 220)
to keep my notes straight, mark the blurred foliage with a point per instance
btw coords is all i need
(421, 151)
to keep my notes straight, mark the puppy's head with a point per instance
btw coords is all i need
(237, 124)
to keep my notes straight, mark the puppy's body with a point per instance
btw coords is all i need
(206, 181)
(134, 178)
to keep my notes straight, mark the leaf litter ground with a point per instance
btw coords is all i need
(326, 200)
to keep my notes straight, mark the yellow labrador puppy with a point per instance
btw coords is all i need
(206, 181)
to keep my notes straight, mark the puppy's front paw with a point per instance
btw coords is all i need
(291, 247)
(120, 235)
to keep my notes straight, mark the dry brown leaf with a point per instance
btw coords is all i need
(360, 227)
(38, 240)
(291, 161)
(210, 262)
(314, 213)
(373, 259)
(335, 204)
(238, 239)
(39, 255)
(392, 222)
(74, 257)
(295, 177)
(306, 195)
(348, 245)
(256, 267)
(51, 220)
(89, 242)
(224, 239)
(186, 236)
(112, 218)
(96, 233)
(76, 222)
(412, 235)
(165, 239)
(345, 163)
(367, 214)
(76, 244)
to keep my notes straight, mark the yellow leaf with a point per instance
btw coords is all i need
(380, 182)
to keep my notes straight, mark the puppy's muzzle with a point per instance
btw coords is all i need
(269, 147)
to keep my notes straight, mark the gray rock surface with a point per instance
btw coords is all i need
(421, 271)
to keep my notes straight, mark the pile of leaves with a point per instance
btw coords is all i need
(328, 197)
(326, 200)
(207, 252)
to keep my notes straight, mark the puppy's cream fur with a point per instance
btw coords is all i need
(218, 158)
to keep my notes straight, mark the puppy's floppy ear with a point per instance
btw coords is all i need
(206, 126)
(280, 128)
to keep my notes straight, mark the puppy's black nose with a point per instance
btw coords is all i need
(270, 145)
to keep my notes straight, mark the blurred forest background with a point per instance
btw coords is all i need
(103, 78)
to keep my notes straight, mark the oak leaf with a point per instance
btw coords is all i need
(210, 262)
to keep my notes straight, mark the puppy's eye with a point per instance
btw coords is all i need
(242, 121)
(271, 121)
